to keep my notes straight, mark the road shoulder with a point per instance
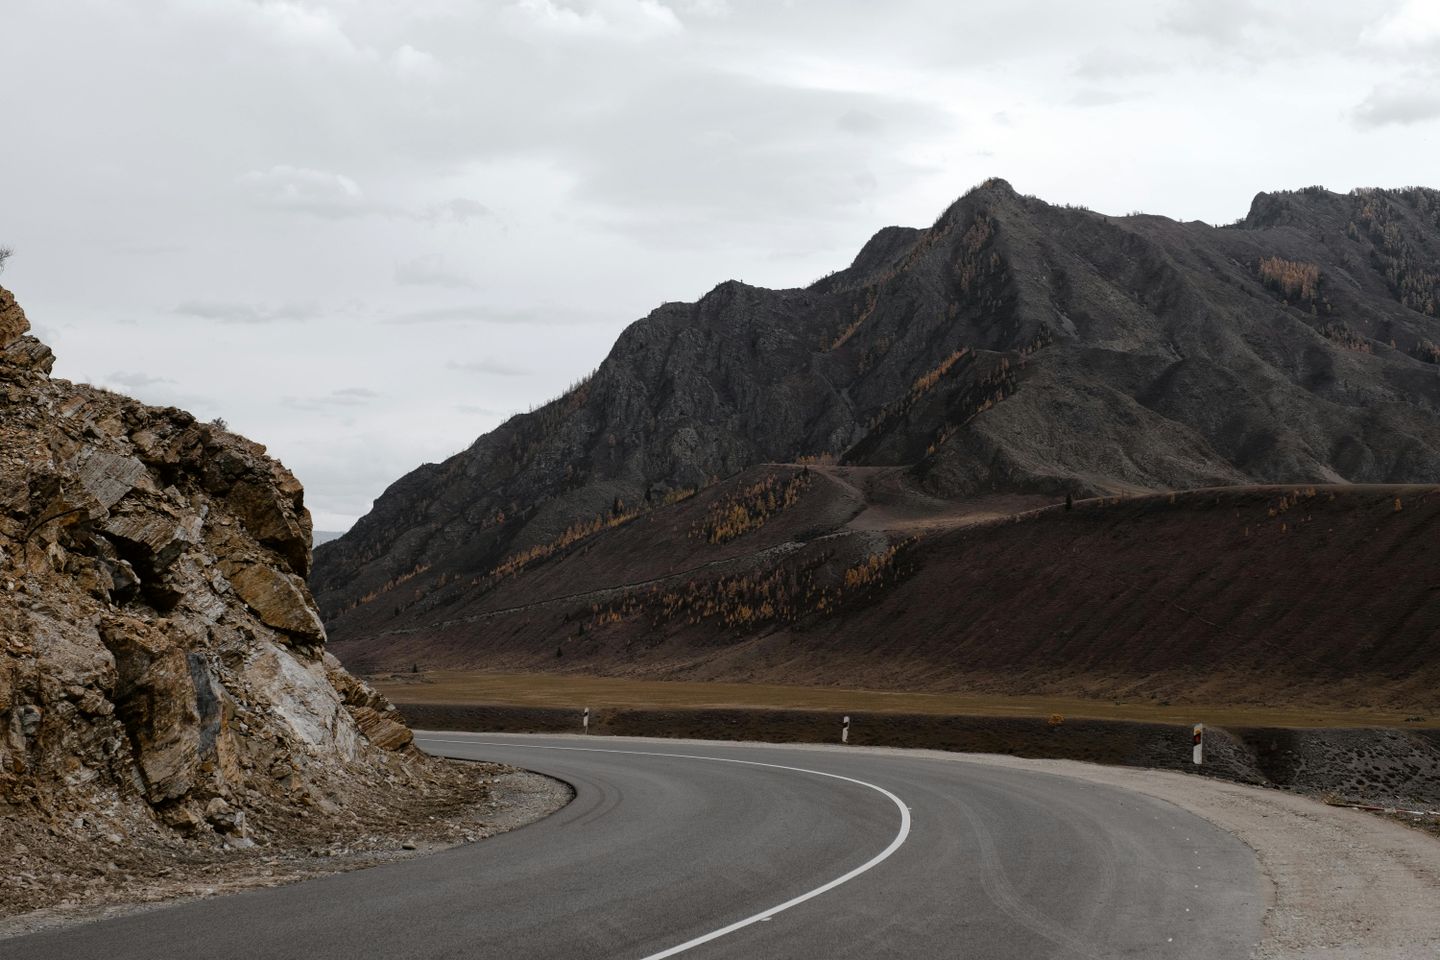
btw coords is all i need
(1344, 884)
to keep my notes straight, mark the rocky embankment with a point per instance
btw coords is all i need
(164, 687)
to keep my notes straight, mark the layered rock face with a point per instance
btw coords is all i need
(161, 658)
(1014, 346)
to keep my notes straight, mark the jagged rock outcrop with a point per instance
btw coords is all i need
(1014, 346)
(161, 658)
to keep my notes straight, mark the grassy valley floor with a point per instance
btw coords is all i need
(568, 691)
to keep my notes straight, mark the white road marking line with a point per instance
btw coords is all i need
(879, 858)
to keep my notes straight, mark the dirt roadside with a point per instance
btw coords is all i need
(43, 886)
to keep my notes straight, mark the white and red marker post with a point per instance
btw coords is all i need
(845, 730)
(1197, 754)
(585, 721)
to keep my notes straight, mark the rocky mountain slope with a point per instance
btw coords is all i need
(162, 667)
(1242, 595)
(1014, 347)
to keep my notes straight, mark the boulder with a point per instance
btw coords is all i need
(376, 717)
(386, 731)
(281, 600)
(27, 353)
(155, 699)
(267, 515)
(107, 476)
(156, 538)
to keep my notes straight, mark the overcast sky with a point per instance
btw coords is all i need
(365, 231)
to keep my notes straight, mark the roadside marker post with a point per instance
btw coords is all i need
(1199, 741)
(845, 730)
(585, 721)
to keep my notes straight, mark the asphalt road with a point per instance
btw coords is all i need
(746, 851)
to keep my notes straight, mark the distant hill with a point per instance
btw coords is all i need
(325, 536)
(1014, 348)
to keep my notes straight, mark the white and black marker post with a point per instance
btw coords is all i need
(585, 721)
(1199, 741)
(845, 730)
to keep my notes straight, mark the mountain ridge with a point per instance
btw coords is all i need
(1013, 347)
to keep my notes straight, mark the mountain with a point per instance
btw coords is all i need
(163, 675)
(1013, 348)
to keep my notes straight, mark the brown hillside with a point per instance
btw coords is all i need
(1304, 594)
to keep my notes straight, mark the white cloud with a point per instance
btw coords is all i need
(312, 28)
(1412, 24)
(622, 19)
(416, 65)
(300, 189)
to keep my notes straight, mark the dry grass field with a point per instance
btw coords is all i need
(462, 687)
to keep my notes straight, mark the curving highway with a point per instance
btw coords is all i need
(729, 850)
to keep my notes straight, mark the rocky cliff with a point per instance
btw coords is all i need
(162, 663)
(1013, 347)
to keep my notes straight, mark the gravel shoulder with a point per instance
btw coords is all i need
(1346, 885)
(462, 803)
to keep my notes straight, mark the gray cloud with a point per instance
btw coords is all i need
(344, 398)
(1095, 97)
(354, 394)
(490, 367)
(136, 380)
(249, 313)
(485, 313)
(431, 271)
(476, 313)
(1414, 101)
(1110, 64)
(753, 149)
(860, 123)
(334, 196)
(1221, 22)
(470, 409)
(457, 210)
